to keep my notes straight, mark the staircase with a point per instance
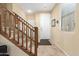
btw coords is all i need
(18, 31)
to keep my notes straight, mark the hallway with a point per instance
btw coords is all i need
(49, 50)
(57, 22)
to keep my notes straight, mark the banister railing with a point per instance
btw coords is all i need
(18, 30)
(20, 18)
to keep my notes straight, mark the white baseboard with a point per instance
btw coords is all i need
(61, 49)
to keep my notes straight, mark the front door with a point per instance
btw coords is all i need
(45, 26)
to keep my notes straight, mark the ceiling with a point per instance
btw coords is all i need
(37, 7)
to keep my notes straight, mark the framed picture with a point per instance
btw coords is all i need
(53, 22)
(68, 17)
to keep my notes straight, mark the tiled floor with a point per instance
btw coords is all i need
(49, 50)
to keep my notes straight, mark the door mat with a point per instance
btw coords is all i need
(45, 42)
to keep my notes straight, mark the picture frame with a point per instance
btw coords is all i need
(53, 22)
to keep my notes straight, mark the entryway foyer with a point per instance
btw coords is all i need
(42, 29)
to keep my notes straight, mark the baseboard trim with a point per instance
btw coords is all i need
(61, 49)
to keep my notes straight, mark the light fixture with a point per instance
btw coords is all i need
(29, 11)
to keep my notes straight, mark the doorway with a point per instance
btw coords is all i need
(45, 26)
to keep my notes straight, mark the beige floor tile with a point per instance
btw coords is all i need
(52, 50)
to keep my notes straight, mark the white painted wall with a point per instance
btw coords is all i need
(67, 41)
(31, 21)
(12, 49)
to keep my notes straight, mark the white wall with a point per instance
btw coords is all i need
(67, 41)
(12, 49)
(17, 9)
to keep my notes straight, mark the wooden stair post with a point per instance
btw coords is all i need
(0, 23)
(36, 40)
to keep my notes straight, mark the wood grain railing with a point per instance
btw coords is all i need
(18, 31)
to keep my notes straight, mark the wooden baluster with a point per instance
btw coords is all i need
(14, 33)
(9, 25)
(24, 28)
(9, 32)
(18, 36)
(22, 35)
(14, 26)
(36, 40)
(26, 39)
(5, 21)
(18, 30)
(31, 40)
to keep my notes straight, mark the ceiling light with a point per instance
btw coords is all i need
(29, 11)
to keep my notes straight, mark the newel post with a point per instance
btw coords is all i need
(0, 23)
(36, 40)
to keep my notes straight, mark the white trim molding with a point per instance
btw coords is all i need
(66, 54)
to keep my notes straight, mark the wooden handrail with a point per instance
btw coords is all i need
(23, 20)
(26, 24)
(13, 13)
(19, 31)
